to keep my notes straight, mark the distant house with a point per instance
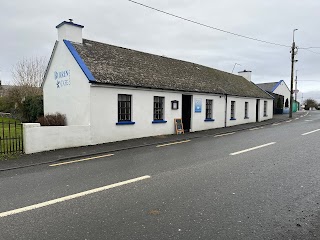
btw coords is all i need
(114, 93)
(278, 88)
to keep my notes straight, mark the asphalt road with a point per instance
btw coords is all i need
(256, 184)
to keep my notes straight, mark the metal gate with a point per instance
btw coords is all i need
(11, 137)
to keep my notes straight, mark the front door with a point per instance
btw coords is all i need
(257, 110)
(186, 112)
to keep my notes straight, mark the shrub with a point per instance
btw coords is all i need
(56, 119)
(32, 108)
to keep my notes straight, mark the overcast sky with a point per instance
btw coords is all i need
(28, 29)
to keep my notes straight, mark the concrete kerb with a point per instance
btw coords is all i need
(142, 145)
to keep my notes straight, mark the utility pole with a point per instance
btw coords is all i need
(293, 48)
(296, 89)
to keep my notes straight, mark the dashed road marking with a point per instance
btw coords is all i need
(310, 132)
(80, 160)
(173, 143)
(253, 148)
(289, 121)
(73, 196)
(256, 128)
(225, 134)
(276, 124)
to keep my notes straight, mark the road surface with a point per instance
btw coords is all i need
(261, 183)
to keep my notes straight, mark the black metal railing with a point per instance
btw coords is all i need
(11, 137)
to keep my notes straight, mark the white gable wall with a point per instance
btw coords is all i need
(73, 95)
(283, 90)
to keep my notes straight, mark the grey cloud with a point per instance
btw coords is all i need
(28, 29)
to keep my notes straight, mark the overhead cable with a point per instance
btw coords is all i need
(211, 27)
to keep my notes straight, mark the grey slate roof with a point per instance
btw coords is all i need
(125, 67)
(267, 86)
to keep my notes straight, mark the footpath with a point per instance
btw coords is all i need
(29, 160)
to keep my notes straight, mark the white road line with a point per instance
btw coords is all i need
(225, 134)
(297, 118)
(251, 129)
(250, 149)
(289, 121)
(308, 120)
(275, 124)
(80, 160)
(73, 196)
(173, 143)
(310, 132)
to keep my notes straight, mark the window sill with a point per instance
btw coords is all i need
(209, 120)
(125, 123)
(232, 119)
(246, 118)
(265, 115)
(158, 121)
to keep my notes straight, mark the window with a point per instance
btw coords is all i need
(158, 106)
(233, 108)
(246, 106)
(286, 103)
(265, 104)
(208, 109)
(124, 108)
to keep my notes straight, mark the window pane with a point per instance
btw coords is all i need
(158, 108)
(124, 107)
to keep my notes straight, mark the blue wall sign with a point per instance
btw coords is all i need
(62, 78)
(197, 105)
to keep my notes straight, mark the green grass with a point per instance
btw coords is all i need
(6, 132)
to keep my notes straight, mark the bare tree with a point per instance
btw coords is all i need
(27, 76)
(310, 103)
(28, 73)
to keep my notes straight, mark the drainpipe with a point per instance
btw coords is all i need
(225, 111)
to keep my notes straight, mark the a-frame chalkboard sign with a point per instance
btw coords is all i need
(179, 126)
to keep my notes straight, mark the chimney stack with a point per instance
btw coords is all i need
(68, 30)
(246, 74)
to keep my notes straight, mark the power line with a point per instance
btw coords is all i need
(309, 47)
(306, 49)
(208, 26)
(309, 80)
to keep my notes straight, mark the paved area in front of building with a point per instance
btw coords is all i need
(27, 160)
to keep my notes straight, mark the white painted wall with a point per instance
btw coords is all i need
(283, 90)
(239, 110)
(218, 112)
(245, 74)
(104, 114)
(73, 96)
(39, 139)
(269, 109)
(70, 32)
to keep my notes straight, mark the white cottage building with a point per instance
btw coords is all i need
(113, 93)
(279, 88)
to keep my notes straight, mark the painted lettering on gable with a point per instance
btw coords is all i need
(62, 78)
